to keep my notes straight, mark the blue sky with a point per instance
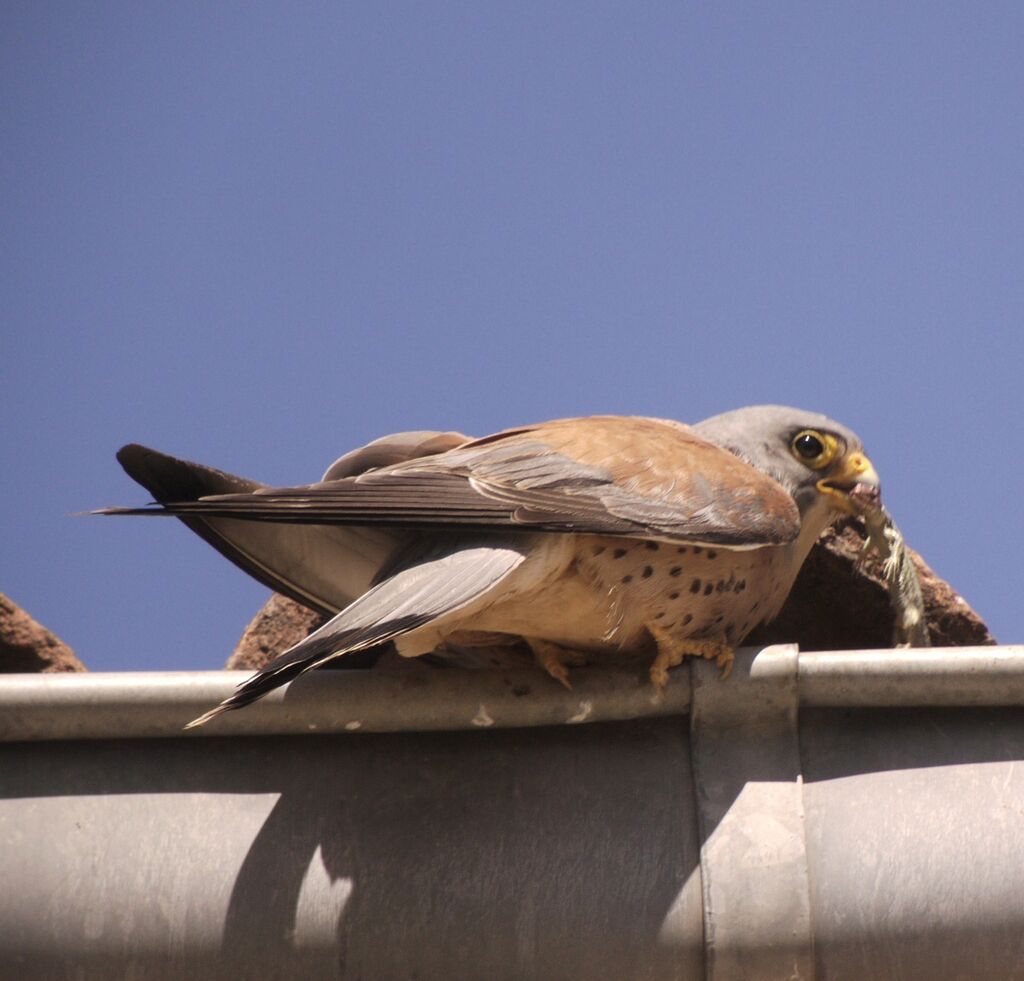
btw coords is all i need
(259, 235)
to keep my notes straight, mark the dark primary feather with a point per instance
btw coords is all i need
(323, 568)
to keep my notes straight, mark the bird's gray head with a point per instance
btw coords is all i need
(819, 461)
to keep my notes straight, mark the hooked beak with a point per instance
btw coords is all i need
(854, 488)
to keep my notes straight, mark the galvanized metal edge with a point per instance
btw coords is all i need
(745, 755)
(149, 704)
(931, 676)
(158, 704)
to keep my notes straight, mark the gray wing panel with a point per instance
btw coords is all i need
(414, 596)
(322, 567)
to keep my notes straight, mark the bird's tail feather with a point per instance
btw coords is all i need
(412, 597)
(319, 566)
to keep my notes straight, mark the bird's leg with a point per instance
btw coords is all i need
(672, 650)
(553, 658)
(670, 653)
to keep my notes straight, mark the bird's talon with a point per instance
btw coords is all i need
(659, 679)
(553, 659)
(724, 661)
(561, 676)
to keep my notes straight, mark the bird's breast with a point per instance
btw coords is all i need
(595, 593)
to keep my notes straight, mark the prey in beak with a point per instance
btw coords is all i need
(854, 488)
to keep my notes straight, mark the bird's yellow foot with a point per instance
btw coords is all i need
(716, 650)
(672, 650)
(554, 659)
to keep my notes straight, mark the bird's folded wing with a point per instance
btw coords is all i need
(422, 592)
(608, 475)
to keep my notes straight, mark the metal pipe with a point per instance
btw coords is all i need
(158, 704)
(925, 677)
(757, 841)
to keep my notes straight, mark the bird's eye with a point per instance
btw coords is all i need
(813, 448)
(808, 446)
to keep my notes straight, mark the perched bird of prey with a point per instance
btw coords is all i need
(596, 534)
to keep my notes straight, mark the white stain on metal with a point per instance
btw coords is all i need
(353, 725)
(586, 707)
(482, 718)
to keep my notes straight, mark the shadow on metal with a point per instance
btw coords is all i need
(548, 853)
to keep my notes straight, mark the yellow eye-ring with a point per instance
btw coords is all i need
(814, 448)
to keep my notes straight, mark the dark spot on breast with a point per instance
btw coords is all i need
(648, 570)
(681, 550)
(599, 550)
(697, 550)
(673, 596)
(627, 579)
(718, 619)
(675, 570)
(709, 588)
(520, 690)
(687, 619)
(741, 585)
(618, 553)
(755, 606)
(695, 586)
(669, 626)
(653, 546)
(658, 616)
(720, 586)
(712, 553)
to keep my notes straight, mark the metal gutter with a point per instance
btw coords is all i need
(152, 704)
(158, 704)
(748, 797)
(935, 676)
(741, 837)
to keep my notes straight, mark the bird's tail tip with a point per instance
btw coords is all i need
(151, 509)
(206, 717)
